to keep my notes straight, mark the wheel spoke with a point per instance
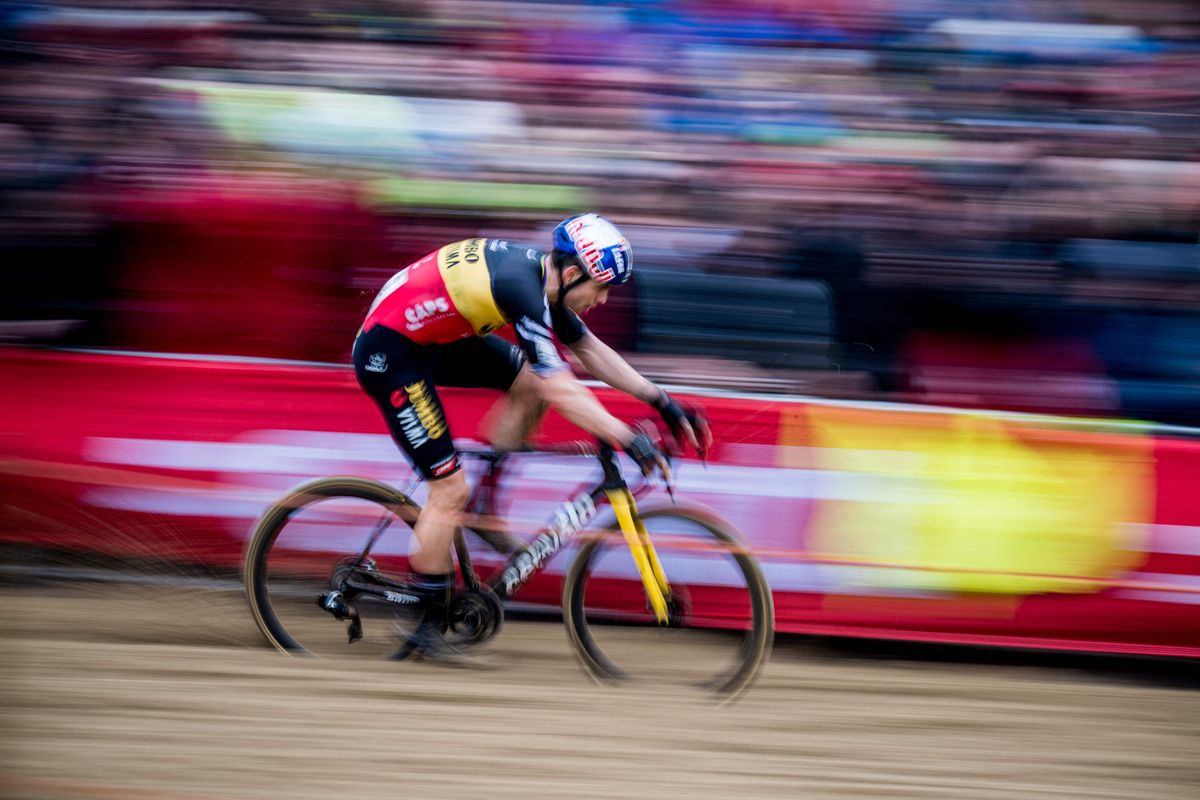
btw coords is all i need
(328, 537)
(719, 609)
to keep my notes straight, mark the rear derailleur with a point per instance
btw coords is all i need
(338, 601)
(342, 609)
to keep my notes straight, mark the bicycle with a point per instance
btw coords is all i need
(690, 573)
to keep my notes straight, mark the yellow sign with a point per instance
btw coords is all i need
(966, 502)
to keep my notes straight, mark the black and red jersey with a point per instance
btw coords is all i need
(472, 288)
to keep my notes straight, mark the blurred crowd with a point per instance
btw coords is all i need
(1000, 198)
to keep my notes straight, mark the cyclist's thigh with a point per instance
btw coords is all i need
(488, 362)
(398, 375)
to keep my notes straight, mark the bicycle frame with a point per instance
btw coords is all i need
(741, 602)
(570, 518)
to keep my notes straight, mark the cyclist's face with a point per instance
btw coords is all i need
(586, 296)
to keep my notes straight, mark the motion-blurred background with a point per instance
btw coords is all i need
(968, 207)
(985, 203)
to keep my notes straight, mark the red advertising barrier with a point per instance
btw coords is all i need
(870, 520)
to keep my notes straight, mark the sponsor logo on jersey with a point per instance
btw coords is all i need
(468, 284)
(429, 415)
(376, 362)
(467, 250)
(445, 467)
(398, 398)
(420, 314)
(411, 425)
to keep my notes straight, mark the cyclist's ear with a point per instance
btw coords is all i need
(567, 261)
(570, 274)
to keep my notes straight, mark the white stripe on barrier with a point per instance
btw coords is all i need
(375, 455)
(699, 391)
(1190, 582)
(1179, 540)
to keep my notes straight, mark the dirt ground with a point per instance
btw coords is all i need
(117, 691)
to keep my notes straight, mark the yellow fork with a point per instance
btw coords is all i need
(642, 549)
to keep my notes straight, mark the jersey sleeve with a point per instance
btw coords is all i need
(518, 292)
(536, 338)
(567, 325)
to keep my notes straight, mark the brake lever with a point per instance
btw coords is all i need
(669, 481)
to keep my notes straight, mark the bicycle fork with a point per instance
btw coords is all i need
(654, 579)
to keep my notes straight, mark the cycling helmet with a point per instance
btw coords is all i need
(601, 249)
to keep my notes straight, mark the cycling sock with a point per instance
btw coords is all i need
(435, 590)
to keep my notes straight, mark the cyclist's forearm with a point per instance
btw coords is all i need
(576, 402)
(607, 365)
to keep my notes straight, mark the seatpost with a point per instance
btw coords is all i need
(484, 499)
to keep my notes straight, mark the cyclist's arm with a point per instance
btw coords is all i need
(577, 403)
(561, 389)
(520, 297)
(687, 426)
(607, 365)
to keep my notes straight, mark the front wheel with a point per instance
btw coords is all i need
(721, 623)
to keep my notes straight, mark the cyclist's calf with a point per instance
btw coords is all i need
(437, 522)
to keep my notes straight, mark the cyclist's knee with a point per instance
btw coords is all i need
(526, 392)
(449, 493)
(524, 384)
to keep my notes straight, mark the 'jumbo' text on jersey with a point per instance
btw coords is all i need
(474, 287)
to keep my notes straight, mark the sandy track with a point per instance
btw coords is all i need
(120, 692)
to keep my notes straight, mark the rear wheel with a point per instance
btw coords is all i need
(307, 546)
(721, 618)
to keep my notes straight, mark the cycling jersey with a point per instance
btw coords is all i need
(474, 287)
(402, 377)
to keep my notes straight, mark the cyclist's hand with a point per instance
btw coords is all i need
(687, 424)
(647, 456)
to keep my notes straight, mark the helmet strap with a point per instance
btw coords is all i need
(563, 287)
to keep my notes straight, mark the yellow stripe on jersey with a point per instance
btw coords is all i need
(464, 270)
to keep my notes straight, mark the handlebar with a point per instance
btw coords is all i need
(612, 472)
(582, 448)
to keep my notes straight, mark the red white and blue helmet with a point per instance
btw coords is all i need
(599, 246)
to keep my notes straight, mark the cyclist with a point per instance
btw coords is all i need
(432, 325)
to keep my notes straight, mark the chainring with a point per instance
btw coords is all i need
(476, 615)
